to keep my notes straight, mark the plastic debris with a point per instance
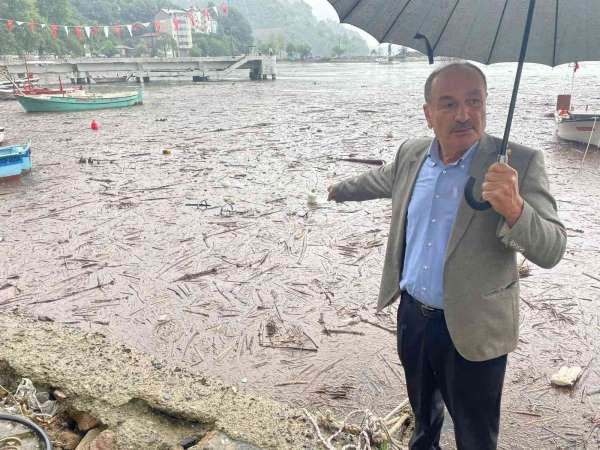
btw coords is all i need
(566, 376)
(311, 198)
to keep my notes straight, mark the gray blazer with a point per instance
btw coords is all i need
(481, 279)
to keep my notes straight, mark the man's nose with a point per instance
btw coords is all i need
(461, 113)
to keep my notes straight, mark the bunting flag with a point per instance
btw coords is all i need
(191, 18)
(224, 8)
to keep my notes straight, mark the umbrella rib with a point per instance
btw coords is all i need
(555, 34)
(351, 10)
(497, 32)
(445, 25)
(395, 20)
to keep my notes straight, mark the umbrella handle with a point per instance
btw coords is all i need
(470, 198)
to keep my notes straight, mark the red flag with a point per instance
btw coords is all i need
(224, 8)
(157, 26)
(94, 31)
(192, 17)
(53, 30)
(175, 23)
(118, 30)
(137, 26)
(205, 12)
(10, 24)
(77, 30)
(575, 67)
(30, 26)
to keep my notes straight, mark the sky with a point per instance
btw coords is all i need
(323, 10)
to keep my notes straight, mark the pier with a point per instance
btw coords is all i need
(82, 70)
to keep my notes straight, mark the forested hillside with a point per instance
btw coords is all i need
(285, 27)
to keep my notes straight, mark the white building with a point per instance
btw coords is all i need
(176, 23)
(181, 23)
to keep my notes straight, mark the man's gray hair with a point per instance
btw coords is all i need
(453, 65)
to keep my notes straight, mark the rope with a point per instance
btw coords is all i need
(589, 141)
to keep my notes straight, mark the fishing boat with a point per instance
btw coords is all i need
(583, 127)
(7, 93)
(1, 135)
(15, 160)
(79, 101)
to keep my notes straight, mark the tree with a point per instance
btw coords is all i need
(304, 51)
(108, 48)
(291, 50)
(338, 51)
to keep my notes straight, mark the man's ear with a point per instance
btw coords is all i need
(427, 115)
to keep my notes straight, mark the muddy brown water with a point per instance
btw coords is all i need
(209, 257)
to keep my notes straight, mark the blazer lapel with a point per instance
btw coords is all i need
(484, 157)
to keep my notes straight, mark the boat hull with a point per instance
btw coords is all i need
(579, 128)
(15, 160)
(74, 103)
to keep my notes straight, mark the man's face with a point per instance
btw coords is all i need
(456, 110)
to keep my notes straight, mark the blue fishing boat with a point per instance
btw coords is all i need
(15, 160)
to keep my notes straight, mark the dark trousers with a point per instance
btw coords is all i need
(437, 374)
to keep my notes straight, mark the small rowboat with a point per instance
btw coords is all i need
(79, 101)
(578, 127)
(15, 160)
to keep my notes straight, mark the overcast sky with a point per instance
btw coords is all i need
(322, 9)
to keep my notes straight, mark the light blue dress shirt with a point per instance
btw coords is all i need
(431, 213)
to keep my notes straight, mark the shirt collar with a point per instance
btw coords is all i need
(434, 154)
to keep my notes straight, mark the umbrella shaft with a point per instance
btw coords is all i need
(513, 100)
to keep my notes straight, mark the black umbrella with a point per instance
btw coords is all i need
(486, 31)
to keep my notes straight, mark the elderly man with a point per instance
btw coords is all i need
(455, 268)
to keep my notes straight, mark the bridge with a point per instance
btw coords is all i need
(82, 70)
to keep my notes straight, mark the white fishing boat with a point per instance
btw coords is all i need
(583, 127)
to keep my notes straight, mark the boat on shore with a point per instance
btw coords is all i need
(15, 160)
(79, 101)
(575, 126)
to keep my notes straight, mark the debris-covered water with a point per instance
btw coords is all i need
(182, 228)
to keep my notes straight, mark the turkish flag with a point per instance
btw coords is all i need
(157, 26)
(205, 12)
(53, 30)
(192, 17)
(10, 24)
(30, 26)
(118, 30)
(94, 30)
(175, 23)
(77, 30)
(224, 8)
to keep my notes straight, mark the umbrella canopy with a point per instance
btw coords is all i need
(551, 32)
(486, 31)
